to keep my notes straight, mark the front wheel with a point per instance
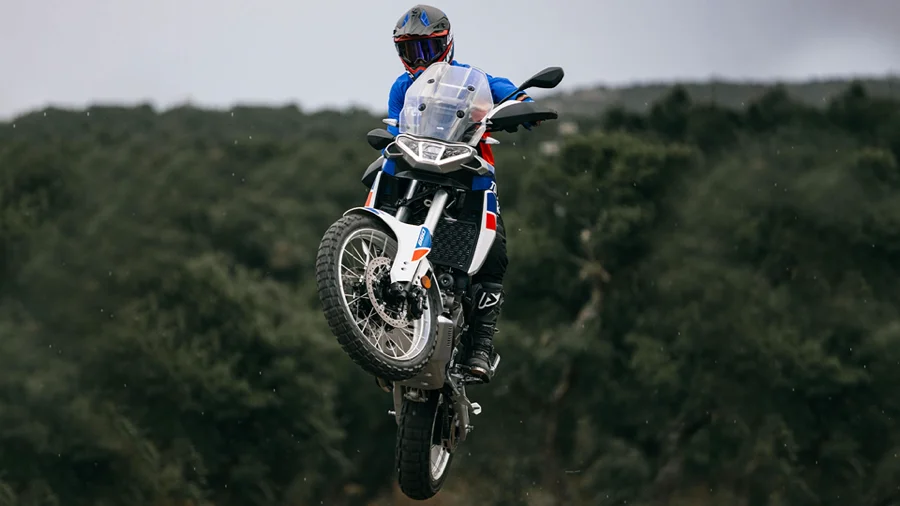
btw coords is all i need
(426, 440)
(353, 273)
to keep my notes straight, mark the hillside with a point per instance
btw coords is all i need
(735, 95)
(593, 101)
(701, 310)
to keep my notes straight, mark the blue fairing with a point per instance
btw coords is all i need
(501, 87)
(389, 166)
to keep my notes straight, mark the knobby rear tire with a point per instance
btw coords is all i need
(415, 436)
(342, 324)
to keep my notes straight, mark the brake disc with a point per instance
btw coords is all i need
(375, 271)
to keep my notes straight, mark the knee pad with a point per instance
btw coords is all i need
(487, 296)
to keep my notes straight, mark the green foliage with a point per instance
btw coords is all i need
(702, 310)
(592, 101)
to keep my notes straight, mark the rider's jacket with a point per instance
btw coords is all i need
(501, 87)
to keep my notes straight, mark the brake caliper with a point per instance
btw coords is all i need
(416, 302)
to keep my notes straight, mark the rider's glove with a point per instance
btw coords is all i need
(525, 98)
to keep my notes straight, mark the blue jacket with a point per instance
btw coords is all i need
(501, 87)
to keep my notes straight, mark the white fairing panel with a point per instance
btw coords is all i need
(413, 244)
(490, 214)
(370, 199)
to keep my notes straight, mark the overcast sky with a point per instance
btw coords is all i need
(335, 53)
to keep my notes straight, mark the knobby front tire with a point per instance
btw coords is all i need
(333, 294)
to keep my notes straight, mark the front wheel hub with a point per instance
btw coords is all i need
(395, 293)
(390, 312)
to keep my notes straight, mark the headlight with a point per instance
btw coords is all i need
(433, 151)
(411, 144)
(452, 151)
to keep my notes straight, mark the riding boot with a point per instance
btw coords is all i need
(486, 301)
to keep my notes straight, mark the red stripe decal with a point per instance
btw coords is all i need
(490, 221)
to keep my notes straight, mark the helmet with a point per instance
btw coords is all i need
(422, 37)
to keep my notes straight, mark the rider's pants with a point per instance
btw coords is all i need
(495, 263)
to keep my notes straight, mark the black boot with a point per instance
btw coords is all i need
(486, 301)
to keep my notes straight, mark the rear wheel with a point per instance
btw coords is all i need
(353, 273)
(425, 445)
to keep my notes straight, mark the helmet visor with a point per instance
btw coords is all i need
(423, 51)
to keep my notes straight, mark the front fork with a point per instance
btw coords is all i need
(403, 211)
(435, 211)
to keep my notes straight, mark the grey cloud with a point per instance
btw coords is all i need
(339, 53)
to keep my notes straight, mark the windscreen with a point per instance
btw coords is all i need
(444, 101)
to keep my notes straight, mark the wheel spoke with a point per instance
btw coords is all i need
(377, 338)
(403, 332)
(354, 273)
(356, 298)
(368, 250)
(366, 322)
(357, 256)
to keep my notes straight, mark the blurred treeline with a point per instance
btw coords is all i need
(703, 310)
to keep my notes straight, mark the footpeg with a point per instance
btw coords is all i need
(476, 408)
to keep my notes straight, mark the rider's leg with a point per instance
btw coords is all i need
(487, 297)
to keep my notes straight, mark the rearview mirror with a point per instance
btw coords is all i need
(547, 78)
(379, 138)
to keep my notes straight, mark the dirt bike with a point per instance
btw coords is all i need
(394, 276)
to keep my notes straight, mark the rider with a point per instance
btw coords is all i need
(422, 37)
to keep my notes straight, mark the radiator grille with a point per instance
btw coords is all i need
(454, 244)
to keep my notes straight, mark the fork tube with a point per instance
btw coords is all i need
(438, 202)
(403, 211)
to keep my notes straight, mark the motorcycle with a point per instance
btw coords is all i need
(394, 275)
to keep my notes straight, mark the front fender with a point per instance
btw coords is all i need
(413, 245)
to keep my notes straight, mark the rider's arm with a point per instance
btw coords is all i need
(395, 105)
(501, 87)
(395, 102)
